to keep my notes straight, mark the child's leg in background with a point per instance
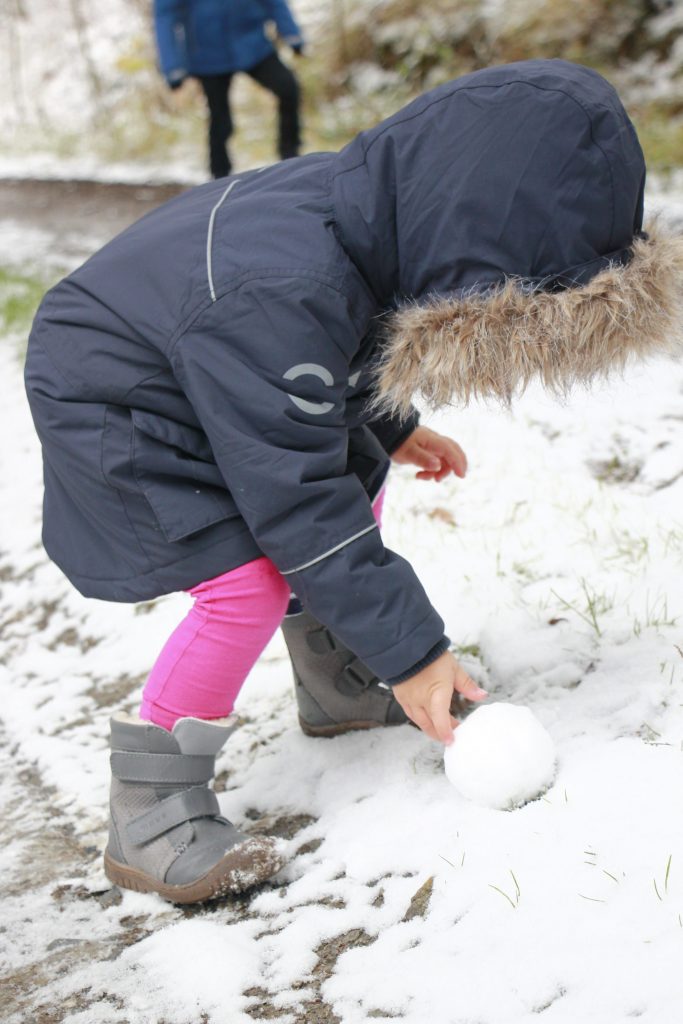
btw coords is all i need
(205, 661)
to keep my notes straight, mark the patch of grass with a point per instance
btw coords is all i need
(615, 470)
(656, 615)
(661, 136)
(597, 605)
(138, 58)
(464, 650)
(147, 124)
(20, 295)
(666, 880)
(630, 547)
(512, 900)
(137, 119)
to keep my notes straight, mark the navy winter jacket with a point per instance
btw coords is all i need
(200, 385)
(215, 37)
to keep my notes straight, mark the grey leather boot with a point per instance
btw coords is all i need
(166, 833)
(335, 691)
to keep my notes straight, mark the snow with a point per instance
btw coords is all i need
(501, 757)
(206, 983)
(557, 566)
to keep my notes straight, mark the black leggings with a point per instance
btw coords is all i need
(272, 74)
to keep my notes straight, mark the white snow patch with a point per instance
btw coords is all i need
(190, 968)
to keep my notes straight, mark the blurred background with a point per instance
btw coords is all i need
(93, 137)
(83, 97)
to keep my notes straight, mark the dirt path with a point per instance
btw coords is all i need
(62, 933)
(76, 216)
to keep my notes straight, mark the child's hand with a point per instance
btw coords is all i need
(436, 455)
(426, 697)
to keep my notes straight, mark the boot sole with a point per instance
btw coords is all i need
(338, 729)
(240, 869)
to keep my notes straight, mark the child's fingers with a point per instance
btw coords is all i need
(467, 686)
(427, 460)
(447, 457)
(439, 713)
(456, 459)
(459, 460)
(422, 721)
(451, 455)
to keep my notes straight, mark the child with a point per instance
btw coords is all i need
(211, 40)
(219, 390)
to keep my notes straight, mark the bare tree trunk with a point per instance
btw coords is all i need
(80, 24)
(14, 51)
(339, 8)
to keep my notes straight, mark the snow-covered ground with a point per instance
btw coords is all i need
(557, 566)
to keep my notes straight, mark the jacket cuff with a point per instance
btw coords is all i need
(431, 656)
(391, 433)
(408, 428)
(387, 664)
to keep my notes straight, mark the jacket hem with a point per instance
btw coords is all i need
(181, 574)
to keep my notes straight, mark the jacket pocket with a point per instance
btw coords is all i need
(172, 465)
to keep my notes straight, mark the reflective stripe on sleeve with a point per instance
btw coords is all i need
(326, 554)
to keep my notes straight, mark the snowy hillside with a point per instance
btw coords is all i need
(82, 95)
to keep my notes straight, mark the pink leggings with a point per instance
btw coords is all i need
(206, 659)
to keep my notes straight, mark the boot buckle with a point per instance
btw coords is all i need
(321, 641)
(359, 674)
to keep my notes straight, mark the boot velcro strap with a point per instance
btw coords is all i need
(359, 673)
(198, 802)
(189, 769)
(321, 641)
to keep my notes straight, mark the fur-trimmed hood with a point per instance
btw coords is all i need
(493, 344)
(498, 218)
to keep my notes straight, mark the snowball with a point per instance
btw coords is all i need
(501, 757)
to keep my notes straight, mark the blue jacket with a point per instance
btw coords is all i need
(201, 384)
(213, 37)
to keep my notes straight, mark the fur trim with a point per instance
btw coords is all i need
(494, 344)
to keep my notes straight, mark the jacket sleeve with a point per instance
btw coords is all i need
(266, 370)
(169, 27)
(392, 431)
(287, 28)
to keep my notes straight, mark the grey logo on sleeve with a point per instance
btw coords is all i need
(323, 374)
(310, 370)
